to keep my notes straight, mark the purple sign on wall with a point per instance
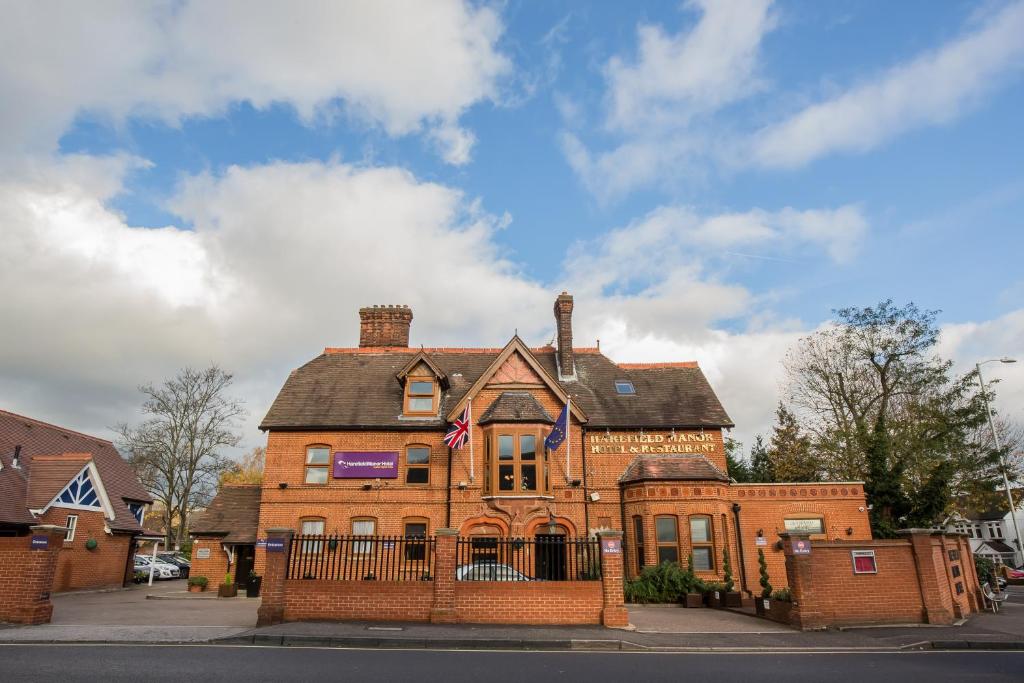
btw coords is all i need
(40, 542)
(366, 465)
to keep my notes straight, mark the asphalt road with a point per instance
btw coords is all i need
(111, 664)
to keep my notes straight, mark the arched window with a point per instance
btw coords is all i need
(363, 526)
(702, 543)
(318, 460)
(415, 529)
(666, 528)
(312, 526)
(417, 465)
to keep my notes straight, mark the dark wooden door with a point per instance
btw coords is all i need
(245, 558)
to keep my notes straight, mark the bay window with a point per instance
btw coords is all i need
(514, 461)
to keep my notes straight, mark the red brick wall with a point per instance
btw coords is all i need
(214, 567)
(541, 602)
(79, 568)
(26, 578)
(312, 600)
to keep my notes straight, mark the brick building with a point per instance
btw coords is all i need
(355, 445)
(51, 475)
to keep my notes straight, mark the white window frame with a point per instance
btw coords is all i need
(72, 526)
(854, 554)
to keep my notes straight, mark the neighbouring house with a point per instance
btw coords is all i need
(53, 475)
(225, 534)
(989, 531)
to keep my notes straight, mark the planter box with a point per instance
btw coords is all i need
(252, 589)
(779, 611)
(196, 589)
(713, 599)
(227, 590)
(762, 606)
(693, 600)
(733, 599)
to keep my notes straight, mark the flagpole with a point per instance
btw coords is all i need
(469, 426)
(568, 419)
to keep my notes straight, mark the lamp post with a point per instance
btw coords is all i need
(1002, 460)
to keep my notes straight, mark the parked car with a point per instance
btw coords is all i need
(161, 570)
(489, 571)
(140, 573)
(178, 561)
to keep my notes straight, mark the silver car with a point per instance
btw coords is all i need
(489, 571)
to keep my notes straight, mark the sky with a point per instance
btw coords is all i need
(185, 183)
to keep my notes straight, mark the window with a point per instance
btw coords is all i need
(420, 395)
(995, 529)
(667, 534)
(363, 527)
(415, 546)
(701, 544)
(864, 562)
(806, 526)
(80, 492)
(318, 459)
(71, 525)
(624, 386)
(417, 465)
(638, 533)
(519, 467)
(312, 527)
(138, 510)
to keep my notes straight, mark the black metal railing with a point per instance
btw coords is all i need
(543, 558)
(361, 558)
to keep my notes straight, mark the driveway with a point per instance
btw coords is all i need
(673, 619)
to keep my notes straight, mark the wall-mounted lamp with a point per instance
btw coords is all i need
(367, 487)
(462, 486)
(576, 483)
(849, 531)
(282, 485)
(760, 532)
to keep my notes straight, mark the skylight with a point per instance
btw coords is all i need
(624, 386)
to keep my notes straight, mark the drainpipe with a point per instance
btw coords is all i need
(739, 547)
(586, 492)
(623, 526)
(448, 506)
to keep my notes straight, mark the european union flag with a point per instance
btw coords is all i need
(558, 432)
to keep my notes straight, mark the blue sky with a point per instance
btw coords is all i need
(710, 181)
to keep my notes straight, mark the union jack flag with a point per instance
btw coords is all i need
(458, 433)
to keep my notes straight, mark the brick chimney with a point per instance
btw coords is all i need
(384, 325)
(563, 330)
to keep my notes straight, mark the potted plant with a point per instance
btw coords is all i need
(713, 591)
(763, 604)
(780, 606)
(252, 588)
(694, 596)
(197, 584)
(228, 589)
(730, 598)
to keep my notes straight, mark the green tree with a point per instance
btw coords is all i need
(761, 467)
(739, 469)
(766, 587)
(789, 450)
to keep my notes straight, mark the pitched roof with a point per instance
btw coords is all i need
(356, 389)
(999, 546)
(50, 474)
(673, 466)
(38, 438)
(515, 406)
(234, 513)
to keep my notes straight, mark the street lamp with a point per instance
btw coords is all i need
(1002, 460)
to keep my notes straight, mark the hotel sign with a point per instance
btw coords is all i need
(628, 443)
(366, 465)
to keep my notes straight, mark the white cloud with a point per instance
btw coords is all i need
(932, 89)
(405, 66)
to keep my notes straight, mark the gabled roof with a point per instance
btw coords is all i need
(673, 466)
(51, 474)
(234, 514)
(515, 406)
(356, 389)
(422, 357)
(51, 444)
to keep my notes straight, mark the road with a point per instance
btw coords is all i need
(115, 663)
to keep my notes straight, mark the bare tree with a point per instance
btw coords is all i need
(177, 451)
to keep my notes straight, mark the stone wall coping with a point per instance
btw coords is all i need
(874, 542)
(920, 532)
(446, 532)
(47, 529)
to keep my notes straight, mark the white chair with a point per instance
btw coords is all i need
(994, 600)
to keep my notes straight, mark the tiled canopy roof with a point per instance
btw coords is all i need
(234, 514)
(515, 406)
(357, 388)
(674, 466)
(65, 452)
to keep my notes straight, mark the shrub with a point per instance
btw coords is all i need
(198, 581)
(227, 579)
(766, 587)
(667, 582)
(986, 569)
(727, 570)
(638, 591)
(712, 586)
(782, 595)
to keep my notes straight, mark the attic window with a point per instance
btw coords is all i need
(624, 386)
(421, 396)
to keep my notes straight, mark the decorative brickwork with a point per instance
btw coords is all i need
(384, 326)
(26, 575)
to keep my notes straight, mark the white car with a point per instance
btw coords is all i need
(161, 570)
(489, 571)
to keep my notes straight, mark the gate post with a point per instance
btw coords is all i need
(279, 541)
(27, 566)
(936, 593)
(805, 613)
(613, 612)
(442, 610)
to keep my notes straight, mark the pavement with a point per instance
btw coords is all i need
(129, 616)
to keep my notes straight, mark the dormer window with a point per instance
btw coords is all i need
(624, 386)
(421, 396)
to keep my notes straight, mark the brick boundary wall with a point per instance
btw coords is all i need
(445, 600)
(26, 576)
(915, 581)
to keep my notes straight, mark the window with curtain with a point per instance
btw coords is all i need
(312, 527)
(365, 526)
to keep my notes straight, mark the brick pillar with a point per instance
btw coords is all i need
(931, 575)
(272, 591)
(614, 613)
(33, 604)
(442, 611)
(806, 613)
(970, 572)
